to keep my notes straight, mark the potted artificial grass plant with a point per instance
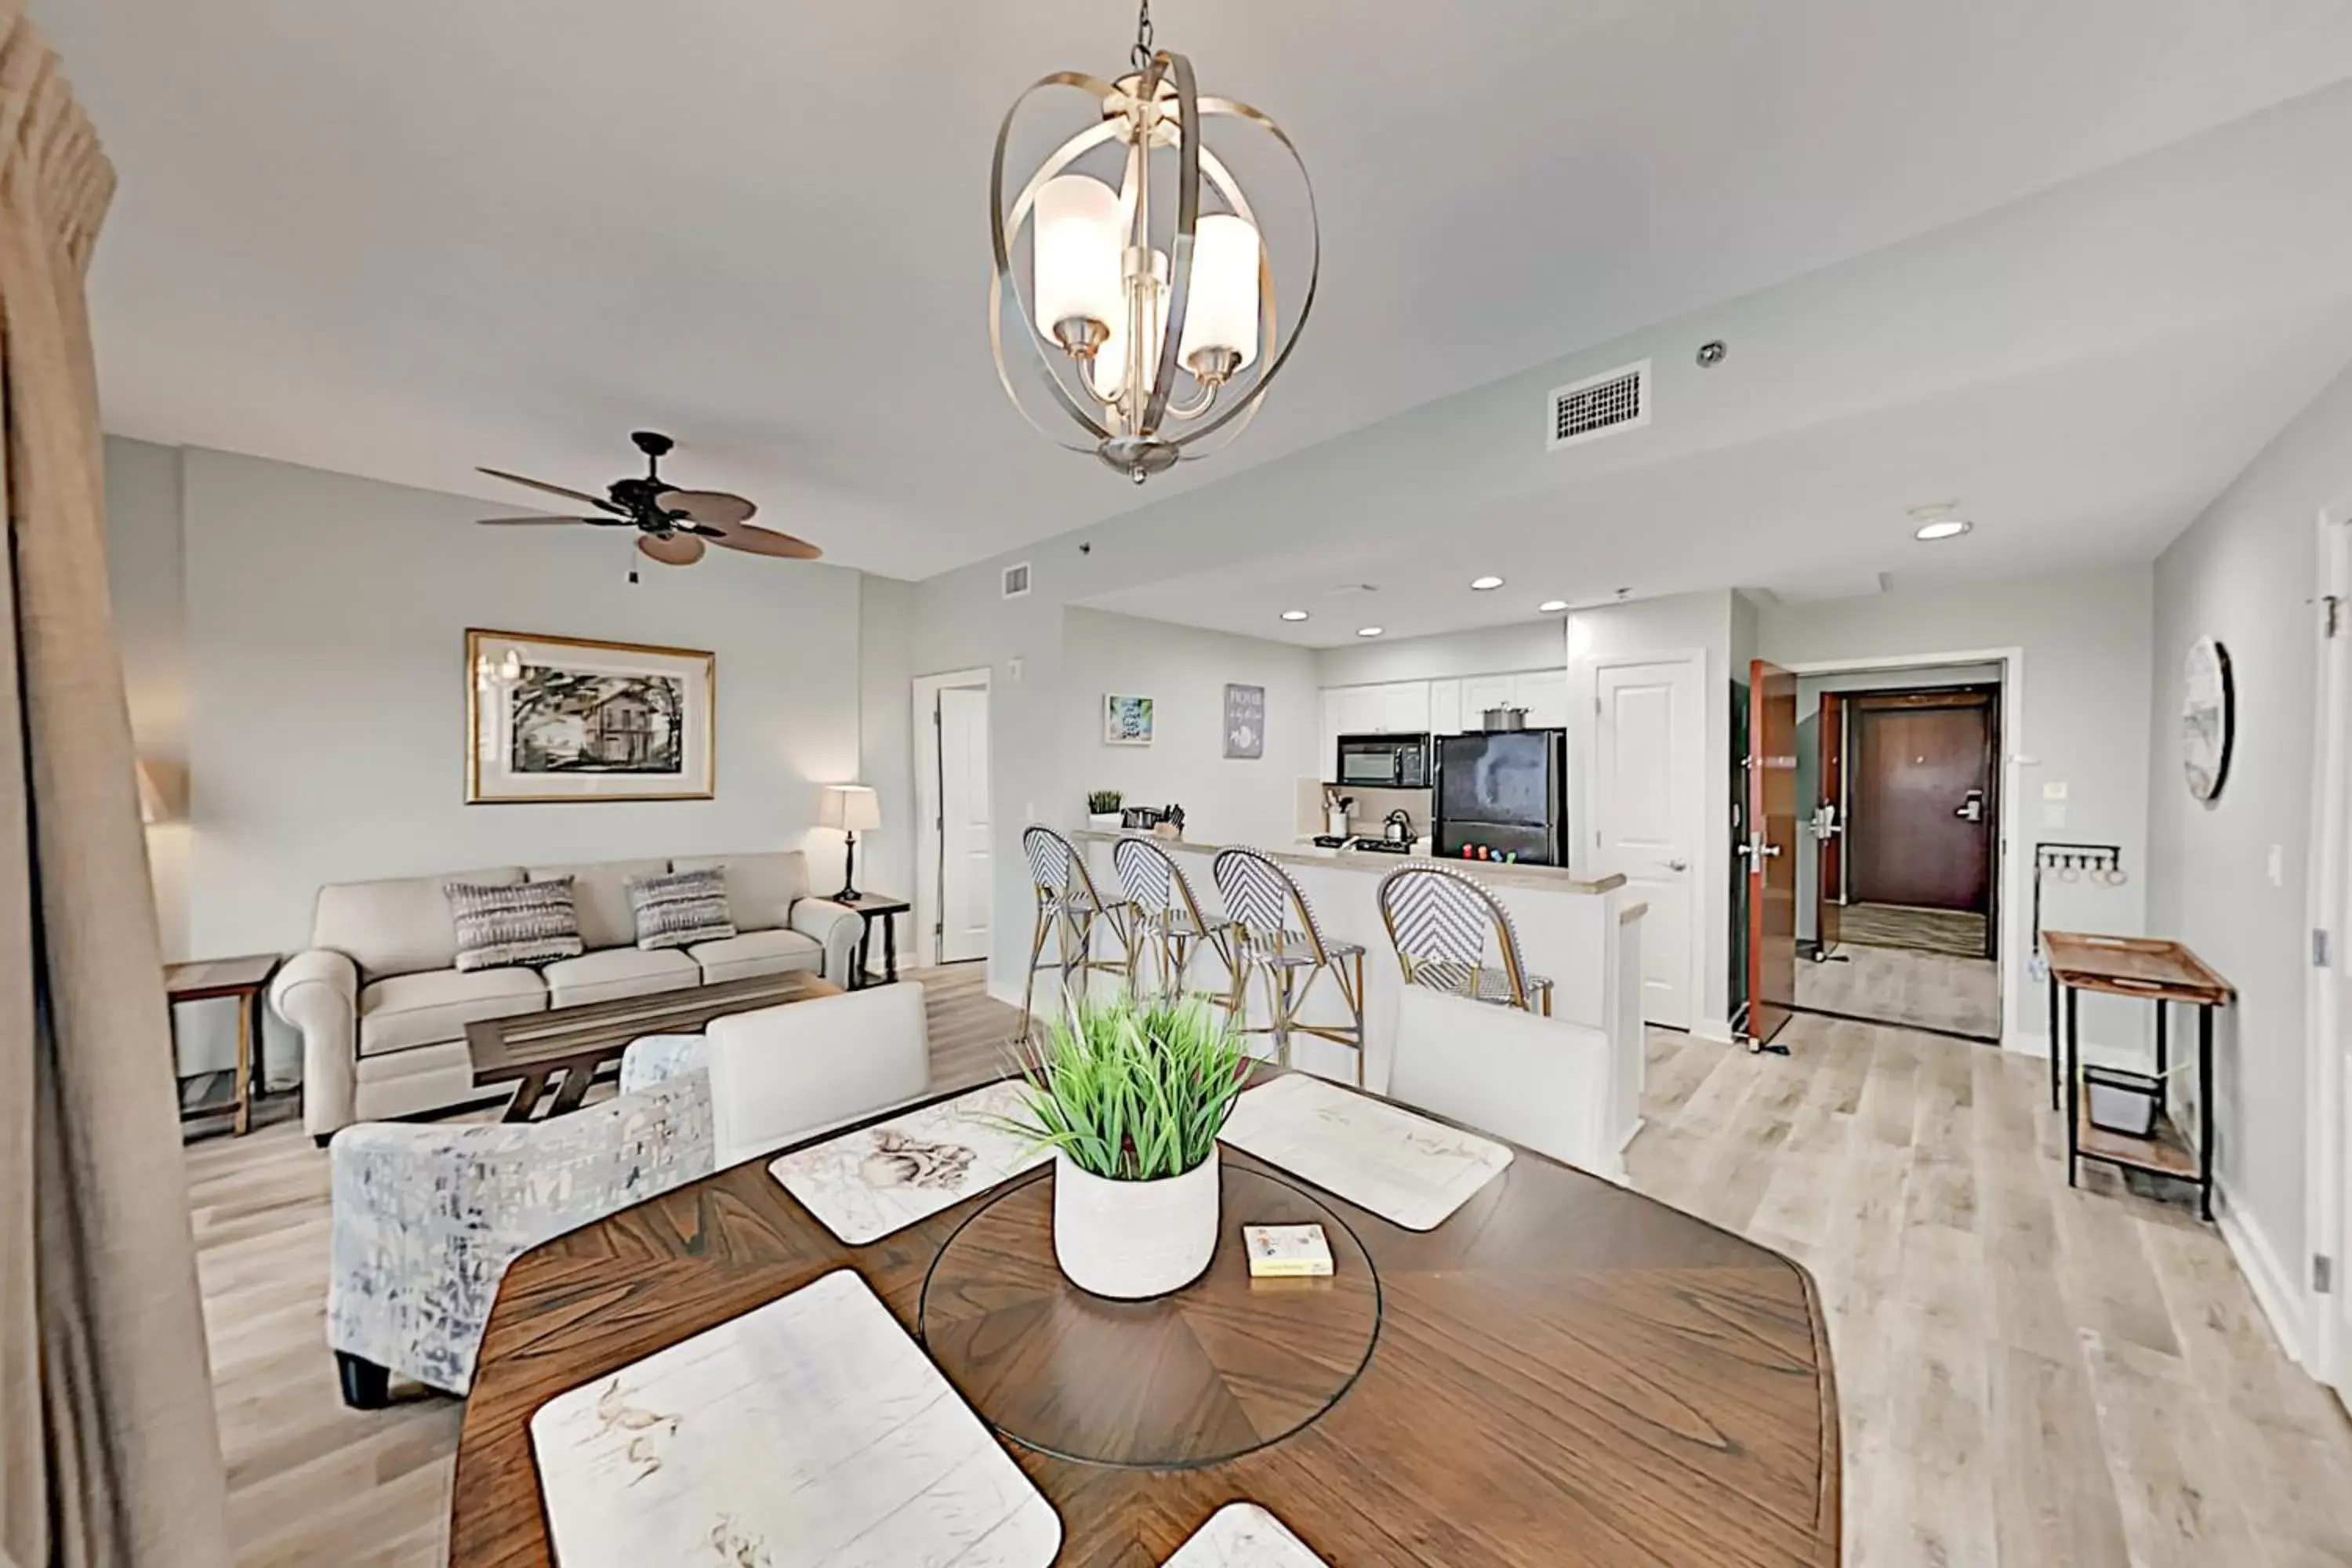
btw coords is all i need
(1102, 809)
(1130, 1096)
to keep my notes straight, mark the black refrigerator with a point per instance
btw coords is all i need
(1504, 792)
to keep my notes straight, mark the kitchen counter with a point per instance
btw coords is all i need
(1495, 873)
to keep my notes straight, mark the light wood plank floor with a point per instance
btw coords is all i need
(2028, 1376)
(1904, 986)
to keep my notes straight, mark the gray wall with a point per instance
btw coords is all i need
(318, 639)
(146, 577)
(1184, 670)
(2080, 719)
(1539, 644)
(2245, 572)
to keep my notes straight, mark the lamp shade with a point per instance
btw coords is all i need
(1077, 253)
(1222, 311)
(154, 805)
(852, 808)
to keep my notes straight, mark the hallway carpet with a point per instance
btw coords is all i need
(1954, 931)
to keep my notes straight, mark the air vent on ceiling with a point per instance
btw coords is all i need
(1600, 406)
(1016, 581)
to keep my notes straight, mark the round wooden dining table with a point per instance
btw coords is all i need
(1562, 1374)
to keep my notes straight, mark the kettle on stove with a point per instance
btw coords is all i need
(1397, 830)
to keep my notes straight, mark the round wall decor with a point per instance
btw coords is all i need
(2209, 717)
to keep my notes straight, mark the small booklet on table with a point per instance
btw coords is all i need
(1286, 1251)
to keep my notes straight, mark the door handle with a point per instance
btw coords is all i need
(1678, 865)
(1972, 808)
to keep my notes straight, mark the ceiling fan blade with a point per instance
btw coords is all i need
(677, 550)
(598, 502)
(766, 542)
(534, 522)
(707, 506)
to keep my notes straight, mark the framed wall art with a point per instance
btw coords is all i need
(1246, 721)
(557, 719)
(1127, 721)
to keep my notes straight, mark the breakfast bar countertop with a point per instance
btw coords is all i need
(1499, 873)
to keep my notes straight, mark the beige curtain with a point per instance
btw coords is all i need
(108, 1453)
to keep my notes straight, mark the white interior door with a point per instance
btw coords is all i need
(1648, 752)
(965, 886)
(2329, 1207)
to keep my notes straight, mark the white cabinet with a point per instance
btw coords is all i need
(1445, 708)
(1544, 694)
(1402, 708)
(1480, 692)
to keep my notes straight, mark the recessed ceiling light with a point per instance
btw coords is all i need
(1943, 528)
(1485, 585)
(1294, 614)
(1551, 607)
(1368, 631)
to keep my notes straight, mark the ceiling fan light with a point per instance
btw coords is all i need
(1221, 317)
(1076, 264)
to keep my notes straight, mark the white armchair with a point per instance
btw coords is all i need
(425, 1219)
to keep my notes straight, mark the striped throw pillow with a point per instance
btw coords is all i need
(525, 923)
(680, 909)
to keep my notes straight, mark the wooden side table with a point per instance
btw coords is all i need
(2158, 971)
(886, 908)
(210, 979)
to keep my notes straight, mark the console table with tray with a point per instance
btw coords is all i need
(2153, 969)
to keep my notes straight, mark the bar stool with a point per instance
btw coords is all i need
(1068, 905)
(1278, 933)
(1167, 917)
(1439, 920)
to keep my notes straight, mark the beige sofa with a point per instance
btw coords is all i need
(382, 1011)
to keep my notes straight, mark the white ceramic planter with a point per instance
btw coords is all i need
(1104, 821)
(1133, 1239)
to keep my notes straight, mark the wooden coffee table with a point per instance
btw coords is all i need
(572, 1043)
(1562, 1374)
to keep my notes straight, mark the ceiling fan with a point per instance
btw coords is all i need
(672, 524)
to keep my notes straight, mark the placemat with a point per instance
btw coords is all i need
(867, 1184)
(1405, 1168)
(1244, 1535)
(809, 1432)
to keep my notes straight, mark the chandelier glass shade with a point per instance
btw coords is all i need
(1146, 306)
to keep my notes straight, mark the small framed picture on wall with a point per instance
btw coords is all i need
(1127, 721)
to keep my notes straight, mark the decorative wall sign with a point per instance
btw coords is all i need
(1246, 721)
(554, 718)
(2209, 717)
(1127, 721)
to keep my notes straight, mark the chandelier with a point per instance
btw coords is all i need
(1151, 322)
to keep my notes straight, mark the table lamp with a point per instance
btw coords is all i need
(853, 809)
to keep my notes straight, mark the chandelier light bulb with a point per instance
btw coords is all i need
(1221, 326)
(1075, 261)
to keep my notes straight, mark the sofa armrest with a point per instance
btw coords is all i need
(838, 927)
(317, 994)
(425, 1219)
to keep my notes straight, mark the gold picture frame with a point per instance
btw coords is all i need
(555, 719)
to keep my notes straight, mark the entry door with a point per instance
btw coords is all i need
(1771, 850)
(965, 887)
(1829, 818)
(1923, 805)
(1648, 762)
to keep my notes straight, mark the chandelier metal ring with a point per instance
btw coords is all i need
(1157, 107)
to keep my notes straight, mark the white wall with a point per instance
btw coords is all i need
(325, 680)
(2080, 719)
(1184, 670)
(2245, 572)
(885, 857)
(1490, 650)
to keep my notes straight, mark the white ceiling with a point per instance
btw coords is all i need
(398, 240)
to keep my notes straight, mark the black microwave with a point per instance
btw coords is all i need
(1384, 761)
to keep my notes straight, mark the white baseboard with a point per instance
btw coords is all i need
(2025, 1045)
(1008, 995)
(1716, 1029)
(2276, 1289)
